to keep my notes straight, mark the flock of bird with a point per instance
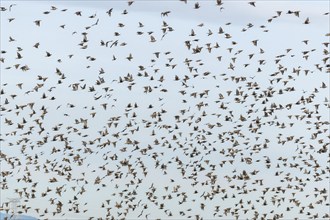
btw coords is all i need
(211, 128)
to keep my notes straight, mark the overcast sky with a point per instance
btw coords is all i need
(280, 38)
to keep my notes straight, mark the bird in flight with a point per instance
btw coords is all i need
(198, 113)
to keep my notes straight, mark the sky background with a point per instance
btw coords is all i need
(275, 38)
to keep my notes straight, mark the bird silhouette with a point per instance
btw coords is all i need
(116, 112)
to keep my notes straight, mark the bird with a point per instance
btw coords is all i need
(109, 12)
(37, 22)
(11, 6)
(135, 115)
(252, 3)
(307, 21)
(152, 39)
(165, 13)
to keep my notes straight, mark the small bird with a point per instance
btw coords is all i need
(19, 56)
(252, 3)
(161, 120)
(165, 13)
(109, 12)
(307, 21)
(130, 57)
(37, 22)
(152, 39)
(197, 6)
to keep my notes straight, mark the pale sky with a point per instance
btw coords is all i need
(223, 146)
